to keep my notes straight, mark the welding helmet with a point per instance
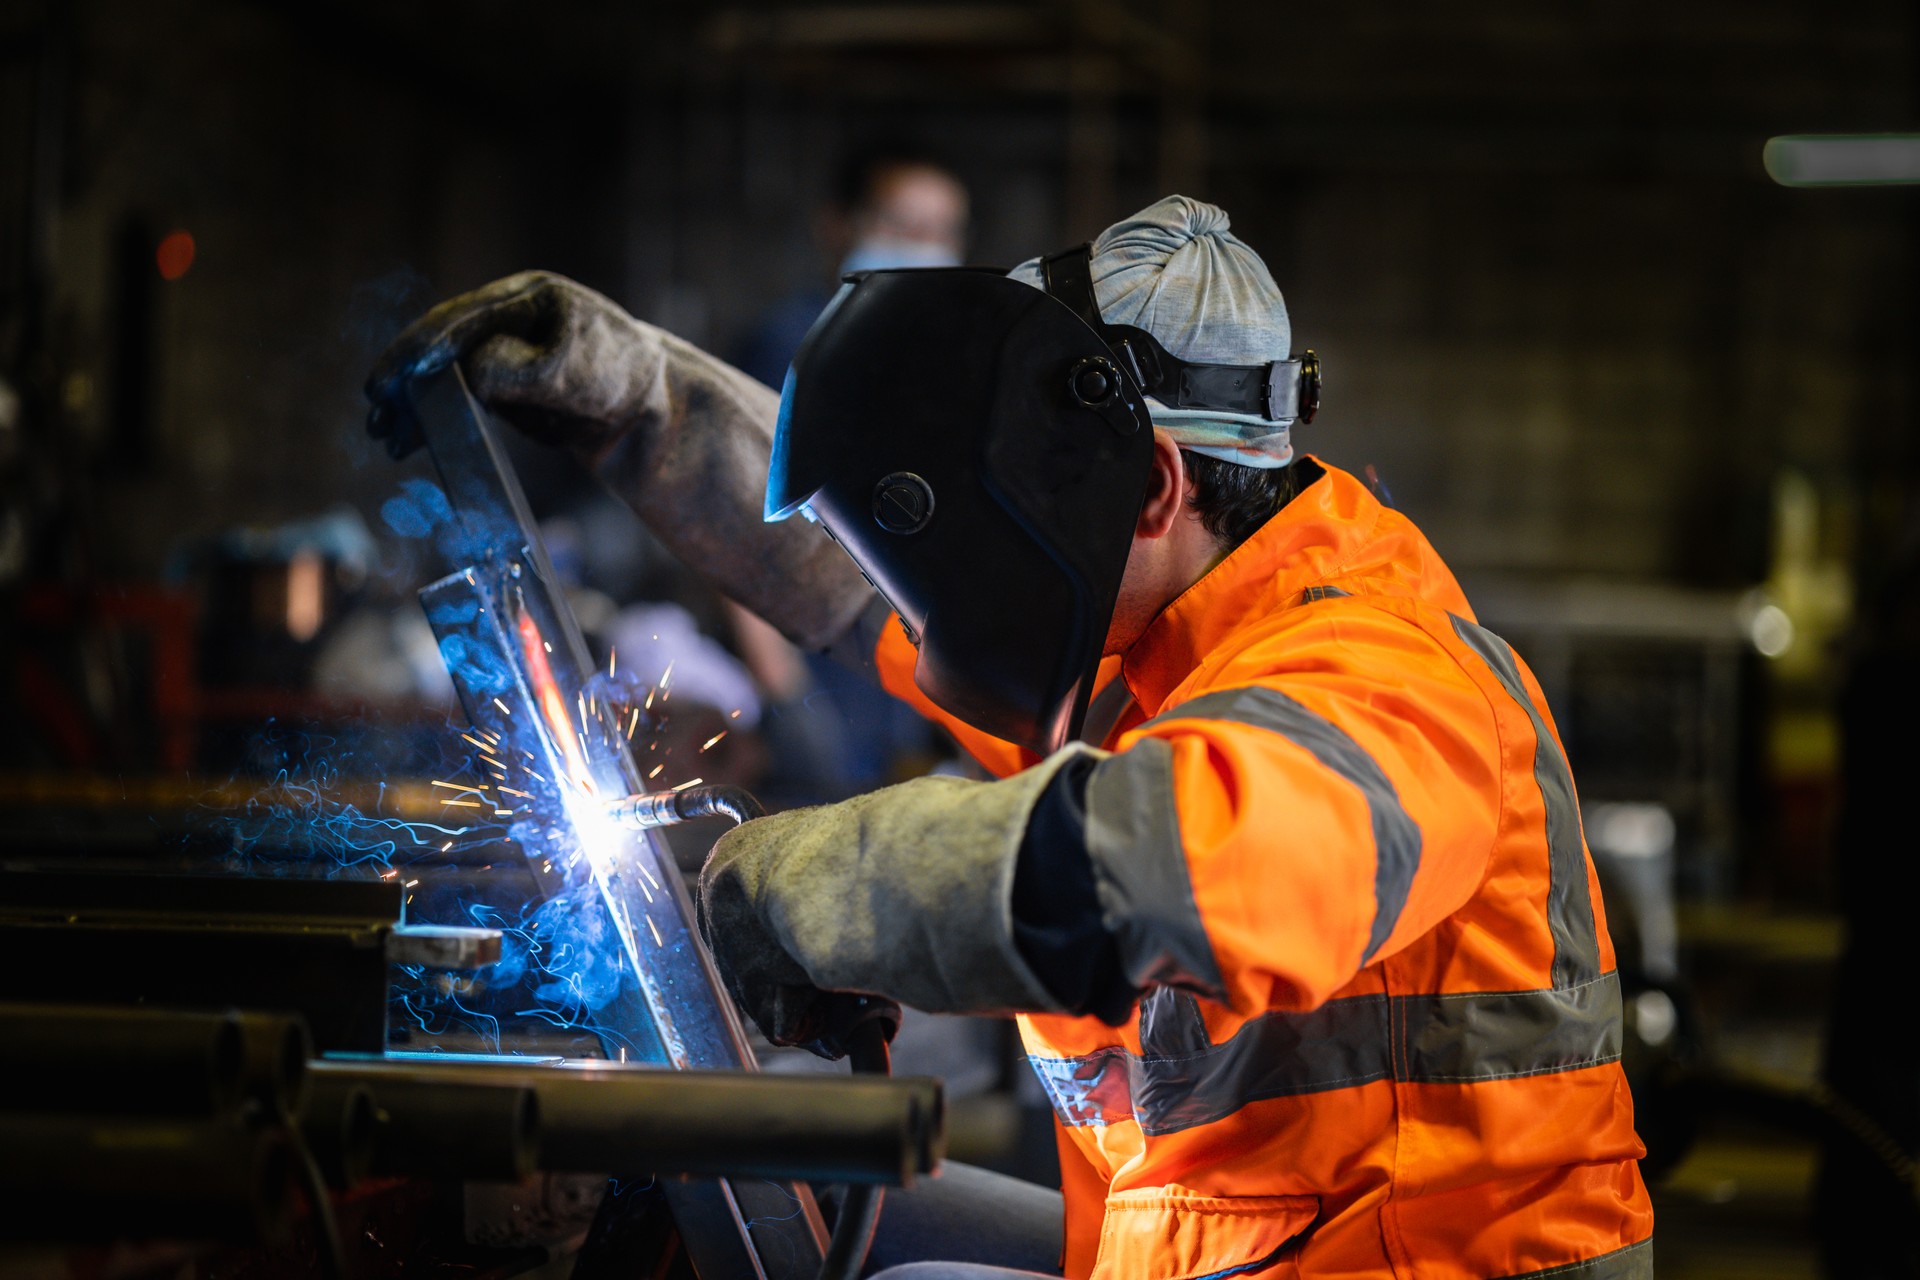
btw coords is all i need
(982, 449)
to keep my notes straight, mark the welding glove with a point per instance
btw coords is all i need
(904, 893)
(683, 438)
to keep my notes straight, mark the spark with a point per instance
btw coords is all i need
(389, 873)
(503, 813)
(633, 724)
(649, 701)
(448, 845)
(465, 804)
(666, 675)
(734, 714)
(503, 706)
(532, 774)
(458, 786)
(476, 742)
(412, 883)
(623, 1053)
(655, 932)
(613, 657)
(656, 772)
(524, 795)
(690, 782)
(715, 738)
(549, 645)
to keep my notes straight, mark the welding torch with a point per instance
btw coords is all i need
(649, 809)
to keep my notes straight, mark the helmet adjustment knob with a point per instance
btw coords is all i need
(902, 503)
(1094, 382)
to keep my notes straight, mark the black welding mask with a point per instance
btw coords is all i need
(981, 449)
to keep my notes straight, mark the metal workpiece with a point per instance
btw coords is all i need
(73, 1178)
(611, 1118)
(451, 948)
(531, 689)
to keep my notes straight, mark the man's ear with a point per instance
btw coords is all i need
(1166, 489)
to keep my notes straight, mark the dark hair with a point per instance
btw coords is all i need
(1234, 501)
(860, 171)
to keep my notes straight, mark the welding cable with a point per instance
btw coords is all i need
(859, 1215)
(326, 1229)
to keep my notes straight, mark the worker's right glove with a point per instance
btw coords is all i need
(683, 438)
(906, 893)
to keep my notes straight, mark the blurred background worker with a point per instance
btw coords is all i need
(892, 205)
(1283, 870)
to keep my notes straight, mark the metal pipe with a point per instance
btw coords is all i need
(604, 1117)
(438, 1128)
(118, 1061)
(68, 1178)
(275, 1049)
(338, 1121)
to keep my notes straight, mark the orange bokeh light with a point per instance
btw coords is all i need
(174, 255)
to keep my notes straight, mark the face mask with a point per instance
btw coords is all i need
(888, 253)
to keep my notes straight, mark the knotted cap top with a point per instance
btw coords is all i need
(1175, 270)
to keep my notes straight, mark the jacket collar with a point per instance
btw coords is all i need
(1332, 528)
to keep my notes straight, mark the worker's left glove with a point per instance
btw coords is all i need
(905, 893)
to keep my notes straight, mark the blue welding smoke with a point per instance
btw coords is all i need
(330, 804)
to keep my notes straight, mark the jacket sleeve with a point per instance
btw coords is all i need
(1325, 805)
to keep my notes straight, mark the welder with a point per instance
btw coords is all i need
(1283, 871)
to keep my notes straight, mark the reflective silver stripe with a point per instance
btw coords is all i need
(1105, 711)
(1635, 1262)
(1576, 948)
(1140, 871)
(1396, 838)
(1446, 1039)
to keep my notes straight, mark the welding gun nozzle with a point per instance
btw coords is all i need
(651, 809)
(647, 810)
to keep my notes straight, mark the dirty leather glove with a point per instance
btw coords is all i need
(683, 438)
(904, 893)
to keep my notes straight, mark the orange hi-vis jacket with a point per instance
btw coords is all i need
(1388, 1041)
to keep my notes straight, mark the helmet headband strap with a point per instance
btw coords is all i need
(1283, 391)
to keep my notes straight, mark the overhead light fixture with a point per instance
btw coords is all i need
(1843, 159)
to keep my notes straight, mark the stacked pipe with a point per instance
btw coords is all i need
(493, 1119)
(127, 1123)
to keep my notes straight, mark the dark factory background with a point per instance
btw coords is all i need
(1657, 411)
